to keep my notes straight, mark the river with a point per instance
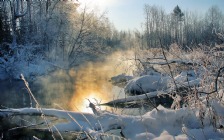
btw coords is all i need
(73, 89)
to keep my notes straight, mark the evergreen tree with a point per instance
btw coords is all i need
(178, 17)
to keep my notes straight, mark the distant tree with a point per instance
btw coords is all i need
(178, 13)
(178, 17)
(17, 11)
(214, 24)
(4, 25)
(155, 25)
(5, 32)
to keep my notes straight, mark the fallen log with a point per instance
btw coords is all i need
(162, 97)
(157, 98)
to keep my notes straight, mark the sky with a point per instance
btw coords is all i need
(129, 14)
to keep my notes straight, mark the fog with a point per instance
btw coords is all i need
(71, 89)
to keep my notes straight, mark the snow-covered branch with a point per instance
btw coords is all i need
(150, 125)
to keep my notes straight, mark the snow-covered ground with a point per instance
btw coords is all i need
(180, 124)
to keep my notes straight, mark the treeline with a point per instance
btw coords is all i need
(184, 28)
(62, 31)
(58, 30)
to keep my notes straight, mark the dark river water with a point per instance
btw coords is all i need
(14, 94)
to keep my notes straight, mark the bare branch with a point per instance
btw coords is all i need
(171, 73)
(216, 82)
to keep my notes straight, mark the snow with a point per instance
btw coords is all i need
(156, 84)
(185, 76)
(146, 83)
(163, 124)
(29, 60)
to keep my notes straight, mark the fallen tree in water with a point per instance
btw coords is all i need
(155, 90)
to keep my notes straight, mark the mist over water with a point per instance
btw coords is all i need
(55, 88)
(71, 89)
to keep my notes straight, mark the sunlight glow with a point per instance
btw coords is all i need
(92, 81)
(101, 4)
(93, 98)
(83, 106)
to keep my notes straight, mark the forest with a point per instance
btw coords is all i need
(58, 58)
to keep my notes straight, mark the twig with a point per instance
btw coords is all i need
(93, 107)
(172, 76)
(216, 82)
(83, 117)
(38, 106)
(81, 127)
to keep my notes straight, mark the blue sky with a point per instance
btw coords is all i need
(129, 14)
